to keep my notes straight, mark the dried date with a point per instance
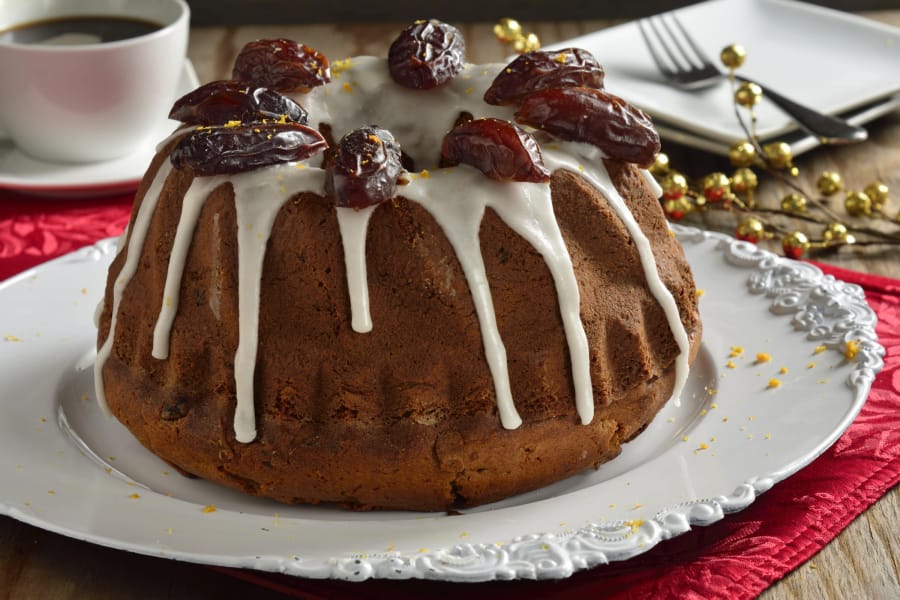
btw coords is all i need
(499, 149)
(365, 168)
(596, 117)
(427, 54)
(219, 102)
(544, 69)
(282, 65)
(228, 150)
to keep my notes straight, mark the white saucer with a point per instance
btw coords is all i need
(829, 60)
(23, 173)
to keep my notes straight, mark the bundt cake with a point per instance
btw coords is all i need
(411, 283)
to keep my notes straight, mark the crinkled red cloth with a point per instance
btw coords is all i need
(737, 557)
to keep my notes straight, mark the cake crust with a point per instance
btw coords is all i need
(404, 416)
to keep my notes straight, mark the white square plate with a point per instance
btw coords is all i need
(831, 61)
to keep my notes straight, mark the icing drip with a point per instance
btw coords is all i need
(459, 215)
(455, 197)
(353, 225)
(594, 172)
(193, 202)
(257, 202)
(533, 219)
(138, 232)
(527, 209)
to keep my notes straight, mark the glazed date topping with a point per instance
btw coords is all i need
(219, 102)
(364, 169)
(427, 54)
(282, 65)
(593, 116)
(228, 150)
(544, 69)
(499, 149)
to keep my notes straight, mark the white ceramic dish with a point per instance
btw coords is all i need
(70, 469)
(23, 173)
(829, 60)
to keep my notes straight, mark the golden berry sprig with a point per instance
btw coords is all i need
(826, 228)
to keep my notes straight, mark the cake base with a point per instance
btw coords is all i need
(405, 416)
(427, 468)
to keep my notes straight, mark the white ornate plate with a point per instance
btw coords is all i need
(67, 468)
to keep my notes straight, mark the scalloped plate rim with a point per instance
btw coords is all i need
(623, 539)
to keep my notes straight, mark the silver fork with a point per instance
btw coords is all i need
(683, 62)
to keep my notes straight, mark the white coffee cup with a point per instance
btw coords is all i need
(89, 102)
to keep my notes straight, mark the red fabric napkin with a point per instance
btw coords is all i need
(737, 557)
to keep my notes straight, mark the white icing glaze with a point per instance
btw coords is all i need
(353, 225)
(193, 202)
(258, 200)
(138, 231)
(591, 168)
(459, 215)
(457, 199)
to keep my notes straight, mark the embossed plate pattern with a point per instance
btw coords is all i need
(740, 429)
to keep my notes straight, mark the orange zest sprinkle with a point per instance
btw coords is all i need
(851, 349)
(774, 383)
(763, 357)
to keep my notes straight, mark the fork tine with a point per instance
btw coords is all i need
(675, 53)
(661, 64)
(683, 53)
(704, 58)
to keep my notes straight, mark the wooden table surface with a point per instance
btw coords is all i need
(862, 562)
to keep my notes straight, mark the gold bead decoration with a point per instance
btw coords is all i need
(716, 186)
(778, 155)
(507, 30)
(733, 56)
(742, 154)
(795, 244)
(837, 233)
(829, 183)
(750, 229)
(878, 194)
(674, 185)
(677, 208)
(858, 204)
(794, 202)
(744, 180)
(660, 165)
(748, 94)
